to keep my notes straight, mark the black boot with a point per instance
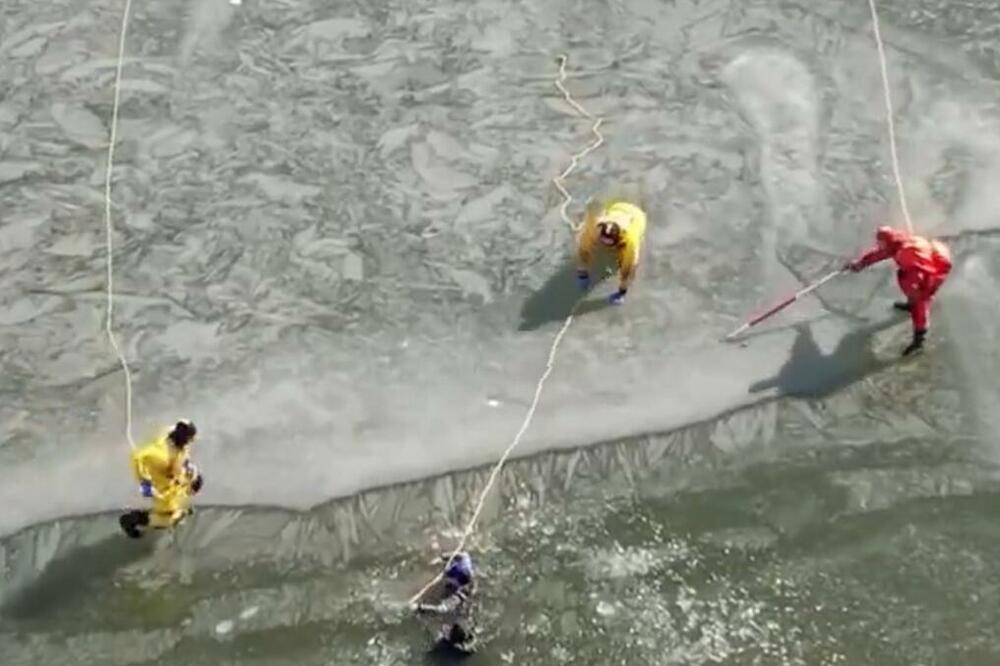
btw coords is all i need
(131, 522)
(902, 305)
(917, 344)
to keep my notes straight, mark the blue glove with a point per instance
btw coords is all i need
(618, 297)
(146, 488)
(583, 279)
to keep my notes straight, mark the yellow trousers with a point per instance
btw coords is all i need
(170, 507)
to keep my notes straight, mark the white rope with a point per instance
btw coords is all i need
(550, 363)
(575, 161)
(109, 227)
(889, 116)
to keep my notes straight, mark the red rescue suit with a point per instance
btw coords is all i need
(923, 267)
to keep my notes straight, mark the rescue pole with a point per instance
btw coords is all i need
(784, 304)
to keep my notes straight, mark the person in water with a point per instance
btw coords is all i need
(454, 608)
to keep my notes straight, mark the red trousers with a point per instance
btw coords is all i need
(919, 288)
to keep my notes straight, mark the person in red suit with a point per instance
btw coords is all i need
(922, 267)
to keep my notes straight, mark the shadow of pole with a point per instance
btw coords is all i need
(809, 373)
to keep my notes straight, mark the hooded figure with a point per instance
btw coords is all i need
(454, 609)
(617, 226)
(167, 475)
(923, 266)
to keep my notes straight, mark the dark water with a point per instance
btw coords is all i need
(857, 529)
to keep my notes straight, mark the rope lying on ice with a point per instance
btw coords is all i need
(556, 342)
(109, 226)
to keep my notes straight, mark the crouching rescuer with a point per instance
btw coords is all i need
(166, 475)
(922, 267)
(618, 227)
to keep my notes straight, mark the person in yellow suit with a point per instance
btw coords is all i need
(617, 226)
(167, 475)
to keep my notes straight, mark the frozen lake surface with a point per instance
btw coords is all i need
(339, 252)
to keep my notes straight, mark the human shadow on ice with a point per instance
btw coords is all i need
(554, 301)
(809, 373)
(74, 576)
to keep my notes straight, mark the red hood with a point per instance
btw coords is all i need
(892, 237)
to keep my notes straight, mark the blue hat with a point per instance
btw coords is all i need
(460, 569)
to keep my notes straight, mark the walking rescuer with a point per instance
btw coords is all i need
(923, 266)
(617, 226)
(166, 475)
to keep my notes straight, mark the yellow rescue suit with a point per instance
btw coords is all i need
(632, 222)
(170, 472)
